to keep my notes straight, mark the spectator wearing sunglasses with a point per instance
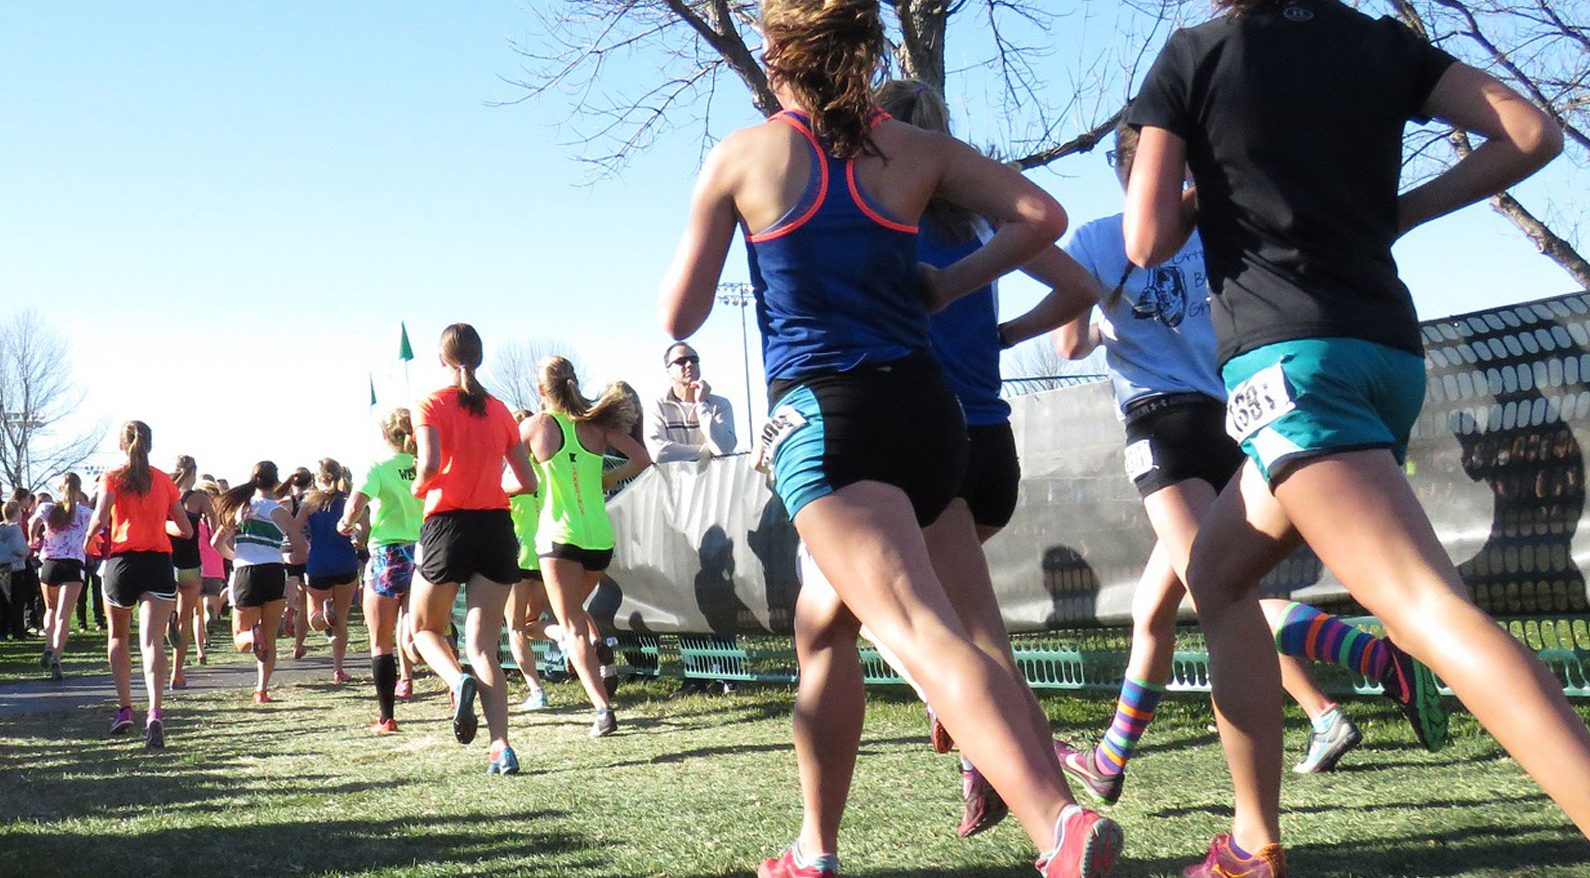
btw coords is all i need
(688, 422)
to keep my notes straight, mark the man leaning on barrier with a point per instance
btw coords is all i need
(688, 422)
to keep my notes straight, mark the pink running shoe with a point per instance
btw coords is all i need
(788, 865)
(1086, 846)
(1222, 862)
(983, 807)
(404, 690)
(340, 677)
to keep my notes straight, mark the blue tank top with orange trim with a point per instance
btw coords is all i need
(836, 281)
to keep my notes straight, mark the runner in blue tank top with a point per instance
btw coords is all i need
(332, 571)
(865, 441)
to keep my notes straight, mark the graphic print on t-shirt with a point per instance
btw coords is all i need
(1164, 297)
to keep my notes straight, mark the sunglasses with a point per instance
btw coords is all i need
(691, 360)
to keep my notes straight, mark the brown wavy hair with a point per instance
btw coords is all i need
(829, 52)
(560, 392)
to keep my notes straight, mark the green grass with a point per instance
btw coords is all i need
(697, 787)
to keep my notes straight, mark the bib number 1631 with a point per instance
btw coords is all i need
(1257, 402)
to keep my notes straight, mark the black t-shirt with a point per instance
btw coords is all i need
(1293, 116)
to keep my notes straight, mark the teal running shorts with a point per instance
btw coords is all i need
(1309, 397)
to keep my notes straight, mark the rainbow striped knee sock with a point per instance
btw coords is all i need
(1133, 712)
(1308, 633)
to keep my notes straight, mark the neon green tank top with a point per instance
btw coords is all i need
(526, 512)
(574, 511)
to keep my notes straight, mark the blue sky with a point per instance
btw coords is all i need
(227, 208)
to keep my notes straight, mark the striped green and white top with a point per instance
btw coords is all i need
(259, 540)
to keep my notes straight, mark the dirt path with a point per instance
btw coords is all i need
(74, 693)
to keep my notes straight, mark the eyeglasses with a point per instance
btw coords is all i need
(1112, 158)
(692, 359)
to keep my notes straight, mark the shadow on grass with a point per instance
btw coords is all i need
(1436, 855)
(311, 847)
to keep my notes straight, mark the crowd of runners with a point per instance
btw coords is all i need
(1266, 362)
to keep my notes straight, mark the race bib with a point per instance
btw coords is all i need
(781, 424)
(1257, 402)
(1139, 459)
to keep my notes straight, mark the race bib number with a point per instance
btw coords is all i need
(781, 424)
(1139, 459)
(1257, 402)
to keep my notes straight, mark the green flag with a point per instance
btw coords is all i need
(372, 391)
(405, 352)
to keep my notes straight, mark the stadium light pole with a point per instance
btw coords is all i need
(741, 295)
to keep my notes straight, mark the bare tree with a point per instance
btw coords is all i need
(1036, 365)
(694, 43)
(36, 395)
(511, 375)
(1542, 49)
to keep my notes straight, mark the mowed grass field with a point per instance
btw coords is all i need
(692, 787)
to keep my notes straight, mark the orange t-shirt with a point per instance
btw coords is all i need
(472, 450)
(138, 521)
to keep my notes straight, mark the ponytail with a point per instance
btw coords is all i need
(560, 388)
(62, 513)
(232, 506)
(335, 477)
(616, 409)
(462, 350)
(828, 52)
(921, 106)
(134, 478)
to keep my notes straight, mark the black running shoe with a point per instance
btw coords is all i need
(465, 723)
(1412, 685)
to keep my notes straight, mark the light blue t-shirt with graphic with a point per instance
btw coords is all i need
(1157, 335)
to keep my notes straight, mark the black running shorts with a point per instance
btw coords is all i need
(993, 473)
(460, 544)
(130, 576)
(1177, 437)
(328, 581)
(898, 423)
(255, 585)
(60, 571)
(593, 560)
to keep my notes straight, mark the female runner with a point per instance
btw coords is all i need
(866, 441)
(1291, 116)
(143, 509)
(290, 493)
(62, 550)
(463, 436)
(333, 566)
(529, 599)
(1161, 356)
(390, 531)
(252, 530)
(212, 570)
(574, 537)
(189, 561)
